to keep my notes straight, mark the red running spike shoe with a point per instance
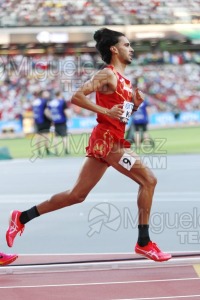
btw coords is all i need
(151, 251)
(15, 227)
(6, 259)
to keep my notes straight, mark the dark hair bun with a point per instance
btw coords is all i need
(99, 34)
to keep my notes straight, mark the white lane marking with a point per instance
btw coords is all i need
(96, 283)
(160, 298)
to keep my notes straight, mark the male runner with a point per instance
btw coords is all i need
(107, 146)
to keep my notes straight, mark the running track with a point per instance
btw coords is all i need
(107, 277)
(37, 275)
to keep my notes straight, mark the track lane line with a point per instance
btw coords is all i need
(97, 283)
(160, 298)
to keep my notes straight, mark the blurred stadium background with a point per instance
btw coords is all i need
(47, 45)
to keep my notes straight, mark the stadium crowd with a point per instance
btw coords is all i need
(171, 81)
(97, 12)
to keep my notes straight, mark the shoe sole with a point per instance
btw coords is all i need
(161, 260)
(9, 222)
(9, 261)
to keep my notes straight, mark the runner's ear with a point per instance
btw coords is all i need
(113, 49)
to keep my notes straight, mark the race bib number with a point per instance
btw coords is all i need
(127, 161)
(127, 107)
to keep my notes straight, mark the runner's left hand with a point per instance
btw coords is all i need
(138, 97)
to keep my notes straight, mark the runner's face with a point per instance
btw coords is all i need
(125, 51)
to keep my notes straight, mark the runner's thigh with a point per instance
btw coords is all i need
(128, 163)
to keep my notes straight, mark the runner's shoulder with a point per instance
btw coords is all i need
(105, 72)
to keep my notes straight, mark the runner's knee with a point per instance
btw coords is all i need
(151, 180)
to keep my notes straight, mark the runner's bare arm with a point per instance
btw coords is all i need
(138, 98)
(103, 81)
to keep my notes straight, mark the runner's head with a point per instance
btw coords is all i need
(106, 38)
(110, 43)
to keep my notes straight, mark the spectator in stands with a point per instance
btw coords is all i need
(93, 12)
(165, 77)
(59, 113)
(42, 122)
(138, 131)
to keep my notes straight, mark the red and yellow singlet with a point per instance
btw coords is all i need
(110, 131)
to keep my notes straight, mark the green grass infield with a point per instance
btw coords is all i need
(184, 140)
